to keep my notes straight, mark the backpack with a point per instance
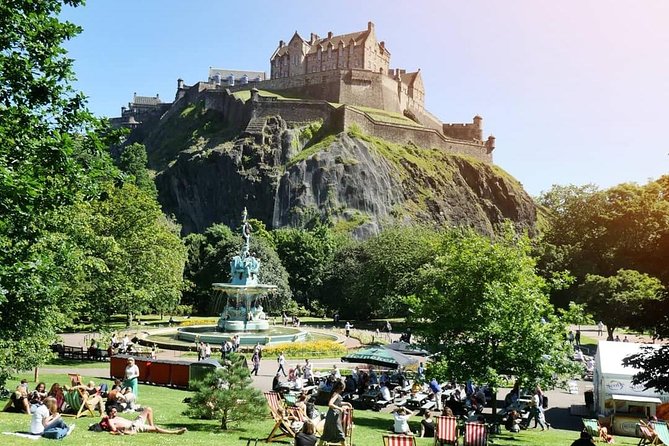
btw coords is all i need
(95, 427)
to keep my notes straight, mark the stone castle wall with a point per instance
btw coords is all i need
(402, 134)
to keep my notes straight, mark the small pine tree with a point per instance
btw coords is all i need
(226, 393)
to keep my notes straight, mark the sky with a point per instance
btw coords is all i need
(575, 91)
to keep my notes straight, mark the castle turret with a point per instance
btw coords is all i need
(478, 128)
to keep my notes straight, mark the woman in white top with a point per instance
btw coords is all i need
(131, 376)
(46, 419)
(402, 416)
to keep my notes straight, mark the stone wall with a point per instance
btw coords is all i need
(401, 134)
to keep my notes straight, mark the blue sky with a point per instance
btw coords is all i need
(574, 91)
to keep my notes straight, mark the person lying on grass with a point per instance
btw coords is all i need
(144, 423)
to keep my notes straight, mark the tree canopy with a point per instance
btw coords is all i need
(483, 308)
(623, 300)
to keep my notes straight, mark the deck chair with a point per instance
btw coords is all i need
(445, 431)
(77, 401)
(476, 434)
(399, 440)
(592, 426)
(646, 433)
(661, 432)
(282, 425)
(347, 424)
(75, 379)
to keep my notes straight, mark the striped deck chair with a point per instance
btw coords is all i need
(445, 430)
(646, 433)
(476, 434)
(279, 413)
(399, 440)
(661, 432)
(77, 401)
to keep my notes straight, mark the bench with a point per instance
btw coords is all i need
(71, 352)
(427, 406)
(380, 404)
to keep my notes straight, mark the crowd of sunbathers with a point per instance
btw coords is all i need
(46, 407)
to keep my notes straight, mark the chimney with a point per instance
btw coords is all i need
(329, 34)
(281, 43)
(370, 26)
(180, 84)
(157, 96)
(313, 39)
(382, 44)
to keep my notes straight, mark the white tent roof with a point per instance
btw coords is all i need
(611, 356)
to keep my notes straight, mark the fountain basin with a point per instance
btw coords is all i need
(266, 336)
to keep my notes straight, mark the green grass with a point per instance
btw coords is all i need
(245, 95)
(168, 407)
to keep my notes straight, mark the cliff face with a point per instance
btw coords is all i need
(284, 176)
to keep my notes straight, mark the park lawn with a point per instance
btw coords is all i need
(168, 406)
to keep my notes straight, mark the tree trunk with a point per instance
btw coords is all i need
(610, 329)
(494, 403)
(224, 422)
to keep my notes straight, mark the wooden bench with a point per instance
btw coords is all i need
(380, 404)
(72, 352)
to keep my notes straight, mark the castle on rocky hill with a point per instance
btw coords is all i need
(338, 79)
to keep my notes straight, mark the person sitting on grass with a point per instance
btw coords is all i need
(38, 395)
(56, 391)
(401, 417)
(47, 422)
(144, 423)
(306, 437)
(18, 401)
(427, 425)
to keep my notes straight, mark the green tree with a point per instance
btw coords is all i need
(372, 278)
(133, 162)
(600, 232)
(480, 305)
(304, 254)
(48, 160)
(576, 314)
(228, 394)
(623, 300)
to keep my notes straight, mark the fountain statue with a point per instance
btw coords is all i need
(243, 308)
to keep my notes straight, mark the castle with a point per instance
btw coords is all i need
(342, 80)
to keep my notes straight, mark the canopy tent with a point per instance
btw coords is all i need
(407, 349)
(381, 357)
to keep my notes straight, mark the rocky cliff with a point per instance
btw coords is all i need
(286, 175)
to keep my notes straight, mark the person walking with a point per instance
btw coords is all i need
(600, 328)
(347, 327)
(577, 338)
(256, 363)
(282, 363)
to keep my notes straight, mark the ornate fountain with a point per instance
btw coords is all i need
(243, 311)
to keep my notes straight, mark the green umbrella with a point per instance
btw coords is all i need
(380, 356)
